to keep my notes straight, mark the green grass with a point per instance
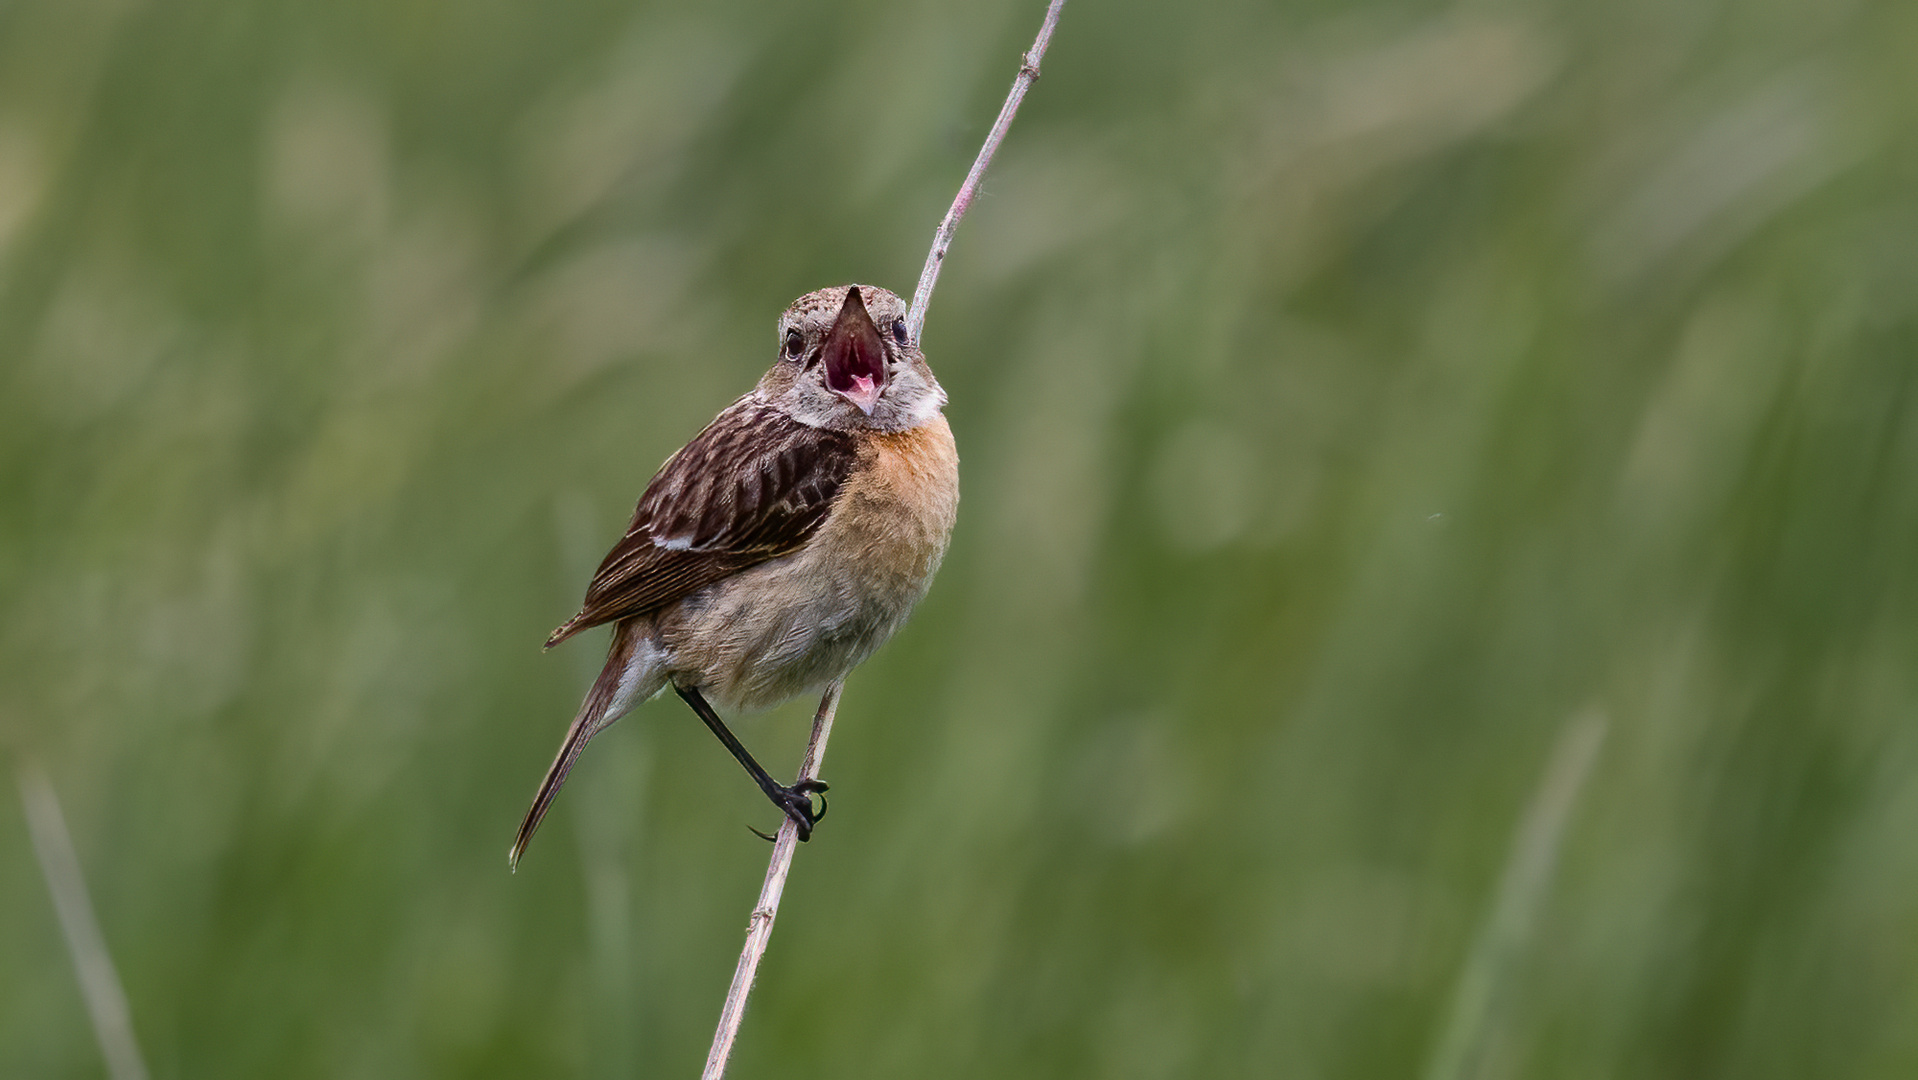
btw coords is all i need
(1349, 397)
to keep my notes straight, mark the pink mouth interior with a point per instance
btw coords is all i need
(863, 392)
(855, 355)
(857, 367)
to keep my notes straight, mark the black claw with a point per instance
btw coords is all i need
(796, 801)
(767, 837)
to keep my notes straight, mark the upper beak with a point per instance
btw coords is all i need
(855, 355)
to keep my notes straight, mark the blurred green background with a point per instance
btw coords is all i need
(1433, 597)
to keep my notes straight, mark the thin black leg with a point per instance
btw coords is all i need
(796, 800)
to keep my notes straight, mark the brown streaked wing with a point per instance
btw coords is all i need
(753, 486)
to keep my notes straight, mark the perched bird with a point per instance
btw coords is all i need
(774, 552)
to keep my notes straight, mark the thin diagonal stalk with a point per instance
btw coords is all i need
(99, 983)
(942, 237)
(759, 930)
(1472, 1023)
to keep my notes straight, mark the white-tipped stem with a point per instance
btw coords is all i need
(99, 983)
(1472, 1022)
(942, 237)
(759, 931)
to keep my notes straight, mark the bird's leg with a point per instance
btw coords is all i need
(796, 800)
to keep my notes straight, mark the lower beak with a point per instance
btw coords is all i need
(864, 393)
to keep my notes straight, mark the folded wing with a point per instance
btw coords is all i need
(753, 486)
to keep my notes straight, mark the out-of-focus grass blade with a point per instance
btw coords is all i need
(99, 983)
(1528, 872)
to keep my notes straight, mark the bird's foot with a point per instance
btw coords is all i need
(796, 801)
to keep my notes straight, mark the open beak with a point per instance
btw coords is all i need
(855, 355)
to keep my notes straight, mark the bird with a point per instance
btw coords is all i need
(787, 541)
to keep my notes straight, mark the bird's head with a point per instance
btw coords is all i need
(846, 361)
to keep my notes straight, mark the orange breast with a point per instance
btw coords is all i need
(900, 503)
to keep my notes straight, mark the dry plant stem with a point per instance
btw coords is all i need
(942, 238)
(760, 930)
(99, 983)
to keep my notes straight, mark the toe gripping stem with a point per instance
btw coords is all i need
(795, 801)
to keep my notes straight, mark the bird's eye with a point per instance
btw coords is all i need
(794, 343)
(899, 331)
